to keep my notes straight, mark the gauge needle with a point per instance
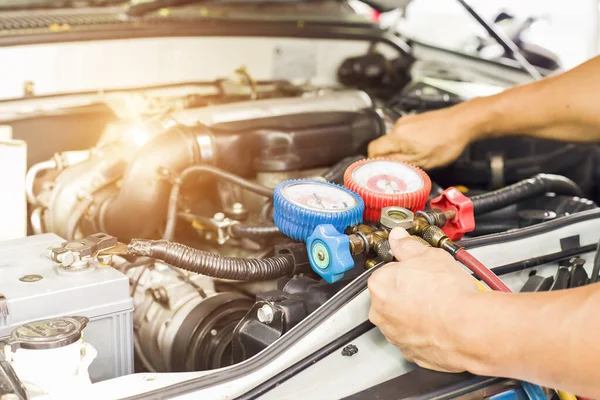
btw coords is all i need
(388, 184)
(319, 202)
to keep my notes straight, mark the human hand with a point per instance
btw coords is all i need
(429, 140)
(418, 302)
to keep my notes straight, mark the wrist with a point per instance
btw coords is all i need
(475, 119)
(474, 333)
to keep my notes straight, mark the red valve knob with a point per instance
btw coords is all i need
(385, 182)
(452, 199)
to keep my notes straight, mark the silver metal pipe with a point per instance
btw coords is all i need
(33, 172)
(36, 221)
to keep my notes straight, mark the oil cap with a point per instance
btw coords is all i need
(48, 334)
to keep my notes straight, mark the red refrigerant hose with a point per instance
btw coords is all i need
(480, 270)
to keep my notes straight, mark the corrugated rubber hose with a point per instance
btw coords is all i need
(523, 190)
(213, 265)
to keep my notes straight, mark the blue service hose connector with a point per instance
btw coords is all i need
(329, 253)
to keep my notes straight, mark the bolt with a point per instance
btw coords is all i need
(237, 207)
(219, 217)
(349, 350)
(50, 251)
(321, 255)
(66, 259)
(213, 332)
(265, 314)
(160, 295)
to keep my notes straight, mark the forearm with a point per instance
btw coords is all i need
(545, 338)
(563, 107)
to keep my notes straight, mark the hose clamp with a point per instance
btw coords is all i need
(205, 145)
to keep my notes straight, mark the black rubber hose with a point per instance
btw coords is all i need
(213, 265)
(254, 231)
(596, 269)
(335, 174)
(214, 172)
(526, 189)
(491, 228)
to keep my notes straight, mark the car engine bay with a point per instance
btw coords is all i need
(206, 221)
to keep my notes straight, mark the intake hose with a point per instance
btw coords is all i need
(254, 231)
(139, 208)
(213, 265)
(523, 190)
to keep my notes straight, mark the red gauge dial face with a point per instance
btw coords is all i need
(387, 177)
(384, 183)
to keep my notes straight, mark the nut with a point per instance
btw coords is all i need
(219, 217)
(396, 217)
(265, 314)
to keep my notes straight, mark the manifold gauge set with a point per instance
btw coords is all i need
(327, 216)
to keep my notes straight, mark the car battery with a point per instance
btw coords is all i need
(32, 287)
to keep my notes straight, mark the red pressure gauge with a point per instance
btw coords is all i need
(384, 182)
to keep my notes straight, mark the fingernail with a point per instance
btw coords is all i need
(398, 233)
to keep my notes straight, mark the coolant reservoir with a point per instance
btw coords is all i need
(50, 357)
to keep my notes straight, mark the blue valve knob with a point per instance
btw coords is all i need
(329, 253)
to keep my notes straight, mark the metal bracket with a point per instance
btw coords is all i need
(80, 254)
(10, 385)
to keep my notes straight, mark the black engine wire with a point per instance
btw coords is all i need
(211, 171)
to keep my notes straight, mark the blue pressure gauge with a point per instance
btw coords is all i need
(302, 205)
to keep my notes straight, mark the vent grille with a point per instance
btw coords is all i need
(18, 22)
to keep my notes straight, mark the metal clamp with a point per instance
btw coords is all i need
(81, 254)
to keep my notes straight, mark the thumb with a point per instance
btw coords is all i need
(403, 246)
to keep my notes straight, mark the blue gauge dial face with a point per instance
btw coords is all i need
(318, 196)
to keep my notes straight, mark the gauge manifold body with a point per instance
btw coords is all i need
(385, 182)
(302, 205)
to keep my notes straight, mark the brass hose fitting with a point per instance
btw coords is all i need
(436, 237)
